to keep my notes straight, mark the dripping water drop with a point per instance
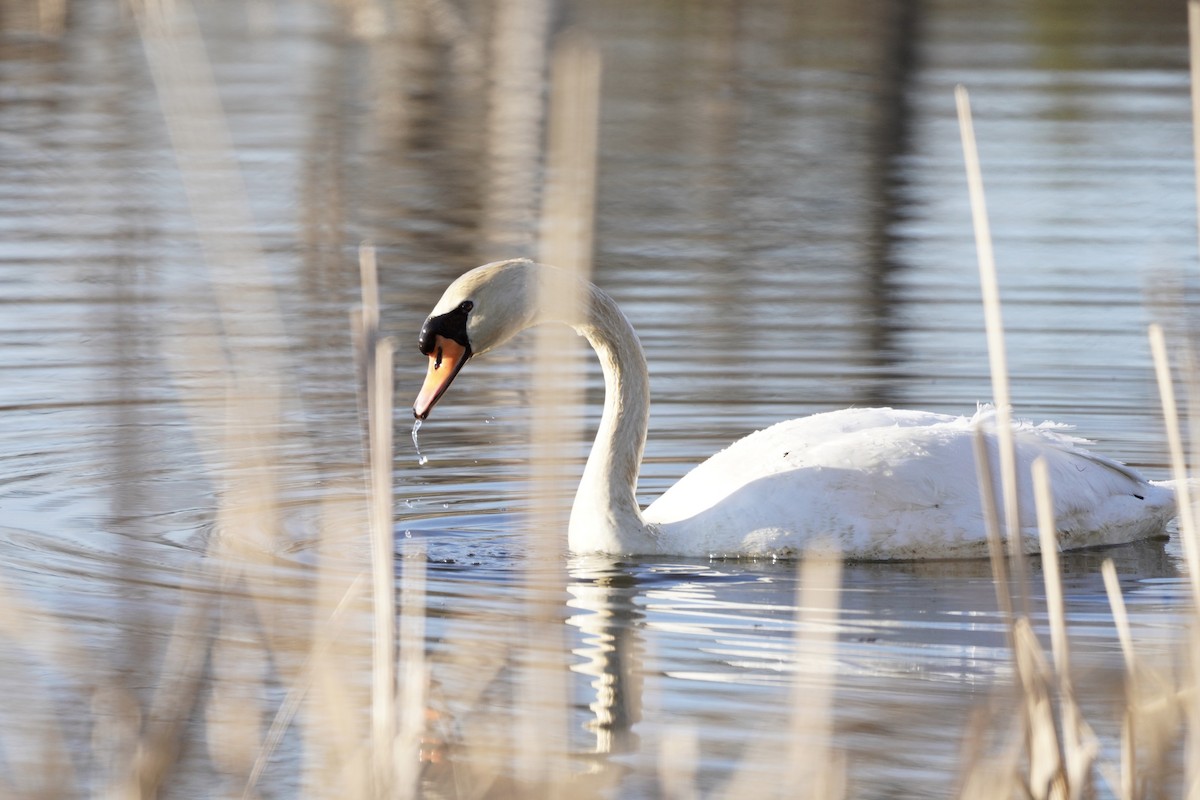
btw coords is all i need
(421, 460)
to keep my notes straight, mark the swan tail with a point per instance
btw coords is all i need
(1192, 484)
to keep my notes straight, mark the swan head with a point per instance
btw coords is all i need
(480, 311)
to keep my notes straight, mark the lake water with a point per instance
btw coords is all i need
(782, 213)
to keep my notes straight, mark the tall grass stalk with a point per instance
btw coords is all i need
(565, 240)
(991, 522)
(994, 324)
(1179, 471)
(1059, 752)
(1048, 537)
(251, 386)
(413, 697)
(807, 763)
(296, 696)
(1193, 16)
(1125, 781)
(1079, 745)
(378, 358)
(679, 754)
(514, 128)
(816, 769)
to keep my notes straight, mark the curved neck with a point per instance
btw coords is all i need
(605, 516)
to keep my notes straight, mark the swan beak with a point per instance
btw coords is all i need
(445, 360)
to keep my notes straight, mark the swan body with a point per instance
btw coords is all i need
(892, 484)
(877, 483)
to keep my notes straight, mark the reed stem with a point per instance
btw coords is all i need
(994, 324)
(1187, 519)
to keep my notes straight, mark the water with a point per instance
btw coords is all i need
(782, 214)
(422, 460)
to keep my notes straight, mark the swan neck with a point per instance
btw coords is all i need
(605, 516)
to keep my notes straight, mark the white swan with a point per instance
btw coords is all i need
(880, 483)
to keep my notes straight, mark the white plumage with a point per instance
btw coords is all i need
(878, 483)
(890, 484)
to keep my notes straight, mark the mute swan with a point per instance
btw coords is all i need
(880, 483)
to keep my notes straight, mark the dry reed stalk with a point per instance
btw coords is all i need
(385, 700)
(1058, 767)
(566, 242)
(997, 357)
(182, 671)
(570, 197)
(366, 19)
(514, 128)
(1191, 701)
(989, 777)
(1054, 768)
(323, 640)
(367, 317)
(1148, 721)
(1116, 602)
(816, 769)
(1126, 779)
(1193, 13)
(413, 696)
(991, 522)
(805, 764)
(51, 17)
(250, 386)
(378, 358)
(336, 762)
(46, 770)
(210, 625)
(318, 669)
(1079, 745)
(1046, 778)
(1051, 575)
(678, 754)
(1187, 519)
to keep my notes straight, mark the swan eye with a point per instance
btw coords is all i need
(465, 306)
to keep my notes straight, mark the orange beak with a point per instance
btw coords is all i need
(445, 360)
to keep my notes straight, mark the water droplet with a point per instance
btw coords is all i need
(408, 534)
(421, 460)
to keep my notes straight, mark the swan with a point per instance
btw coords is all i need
(879, 483)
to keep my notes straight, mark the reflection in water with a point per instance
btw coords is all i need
(899, 42)
(910, 637)
(610, 621)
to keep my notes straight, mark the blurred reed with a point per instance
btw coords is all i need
(565, 240)
(994, 325)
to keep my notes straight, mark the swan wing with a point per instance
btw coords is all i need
(884, 483)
